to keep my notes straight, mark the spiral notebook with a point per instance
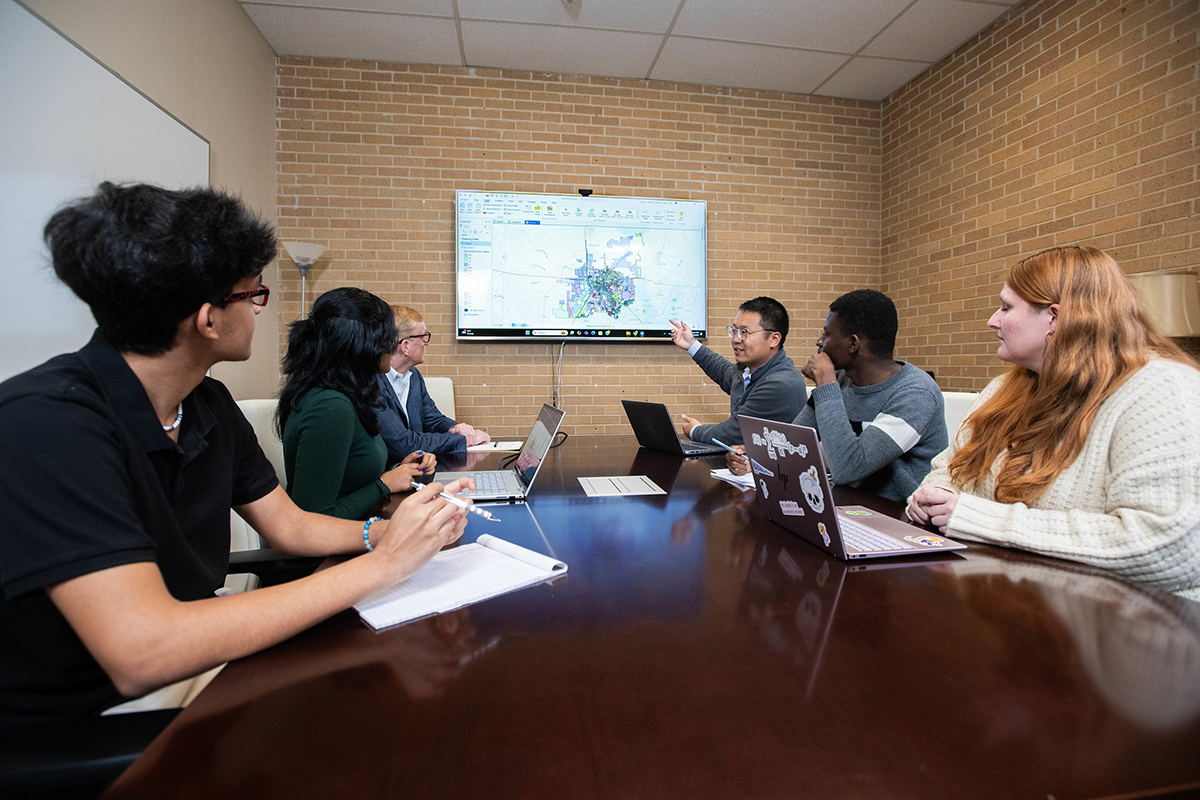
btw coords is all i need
(456, 578)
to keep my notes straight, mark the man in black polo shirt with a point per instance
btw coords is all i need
(119, 464)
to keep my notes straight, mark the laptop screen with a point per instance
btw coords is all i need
(537, 444)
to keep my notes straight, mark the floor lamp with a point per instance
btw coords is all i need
(305, 255)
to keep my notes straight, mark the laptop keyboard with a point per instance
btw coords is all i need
(867, 540)
(486, 483)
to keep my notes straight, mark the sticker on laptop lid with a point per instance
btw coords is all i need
(774, 440)
(790, 508)
(927, 540)
(821, 529)
(759, 469)
(810, 485)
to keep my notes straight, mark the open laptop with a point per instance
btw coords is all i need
(514, 483)
(654, 429)
(794, 492)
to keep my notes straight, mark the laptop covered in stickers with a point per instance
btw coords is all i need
(793, 492)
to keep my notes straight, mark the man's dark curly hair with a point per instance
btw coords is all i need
(145, 258)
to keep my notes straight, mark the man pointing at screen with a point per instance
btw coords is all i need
(763, 382)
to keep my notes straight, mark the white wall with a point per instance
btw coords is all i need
(205, 63)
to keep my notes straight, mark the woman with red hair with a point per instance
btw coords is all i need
(1088, 449)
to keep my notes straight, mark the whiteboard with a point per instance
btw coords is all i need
(67, 124)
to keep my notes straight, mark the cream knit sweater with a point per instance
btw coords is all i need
(1129, 503)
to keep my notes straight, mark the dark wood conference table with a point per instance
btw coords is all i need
(694, 650)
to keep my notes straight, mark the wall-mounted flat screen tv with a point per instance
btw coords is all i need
(545, 267)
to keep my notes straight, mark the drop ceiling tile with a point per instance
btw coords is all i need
(543, 48)
(745, 66)
(871, 78)
(932, 28)
(842, 26)
(437, 8)
(320, 33)
(644, 16)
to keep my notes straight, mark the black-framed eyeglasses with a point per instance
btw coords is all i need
(741, 333)
(258, 296)
(426, 336)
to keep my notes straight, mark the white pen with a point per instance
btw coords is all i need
(463, 504)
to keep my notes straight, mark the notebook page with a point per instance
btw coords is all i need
(453, 579)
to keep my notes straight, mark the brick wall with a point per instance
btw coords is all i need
(370, 154)
(1068, 122)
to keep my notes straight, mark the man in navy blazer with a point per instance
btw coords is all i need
(409, 420)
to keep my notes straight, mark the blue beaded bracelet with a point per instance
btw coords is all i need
(367, 532)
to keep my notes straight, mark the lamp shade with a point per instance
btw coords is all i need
(303, 253)
(1174, 301)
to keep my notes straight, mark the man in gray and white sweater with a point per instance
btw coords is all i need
(881, 421)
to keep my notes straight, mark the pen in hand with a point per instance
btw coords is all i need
(460, 503)
(719, 443)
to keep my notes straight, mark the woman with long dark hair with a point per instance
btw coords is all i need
(1089, 447)
(335, 460)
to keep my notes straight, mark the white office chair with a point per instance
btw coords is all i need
(261, 415)
(958, 405)
(441, 391)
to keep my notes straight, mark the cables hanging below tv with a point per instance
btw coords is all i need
(586, 268)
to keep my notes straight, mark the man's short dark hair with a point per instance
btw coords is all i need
(771, 313)
(145, 258)
(872, 316)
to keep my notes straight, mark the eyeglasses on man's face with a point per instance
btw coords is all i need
(740, 334)
(425, 337)
(256, 296)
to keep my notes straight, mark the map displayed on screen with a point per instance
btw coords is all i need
(570, 267)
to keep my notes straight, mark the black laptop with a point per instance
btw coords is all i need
(653, 427)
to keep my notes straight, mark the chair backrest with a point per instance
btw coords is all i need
(958, 405)
(261, 415)
(441, 391)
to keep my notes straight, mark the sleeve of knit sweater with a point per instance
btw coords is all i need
(327, 430)
(893, 432)
(1147, 469)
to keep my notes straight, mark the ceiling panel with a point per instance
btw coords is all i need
(321, 33)
(933, 28)
(439, 8)
(553, 49)
(745, 66)
(646, 16)
(871, 78)
(841, 26)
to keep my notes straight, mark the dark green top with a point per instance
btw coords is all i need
(332, 464)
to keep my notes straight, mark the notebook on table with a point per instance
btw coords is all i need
(654, 429)
(514, 483)
(794, 492)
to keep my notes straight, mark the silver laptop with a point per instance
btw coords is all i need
(653, 427)
(514, 483)
(794, 492)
